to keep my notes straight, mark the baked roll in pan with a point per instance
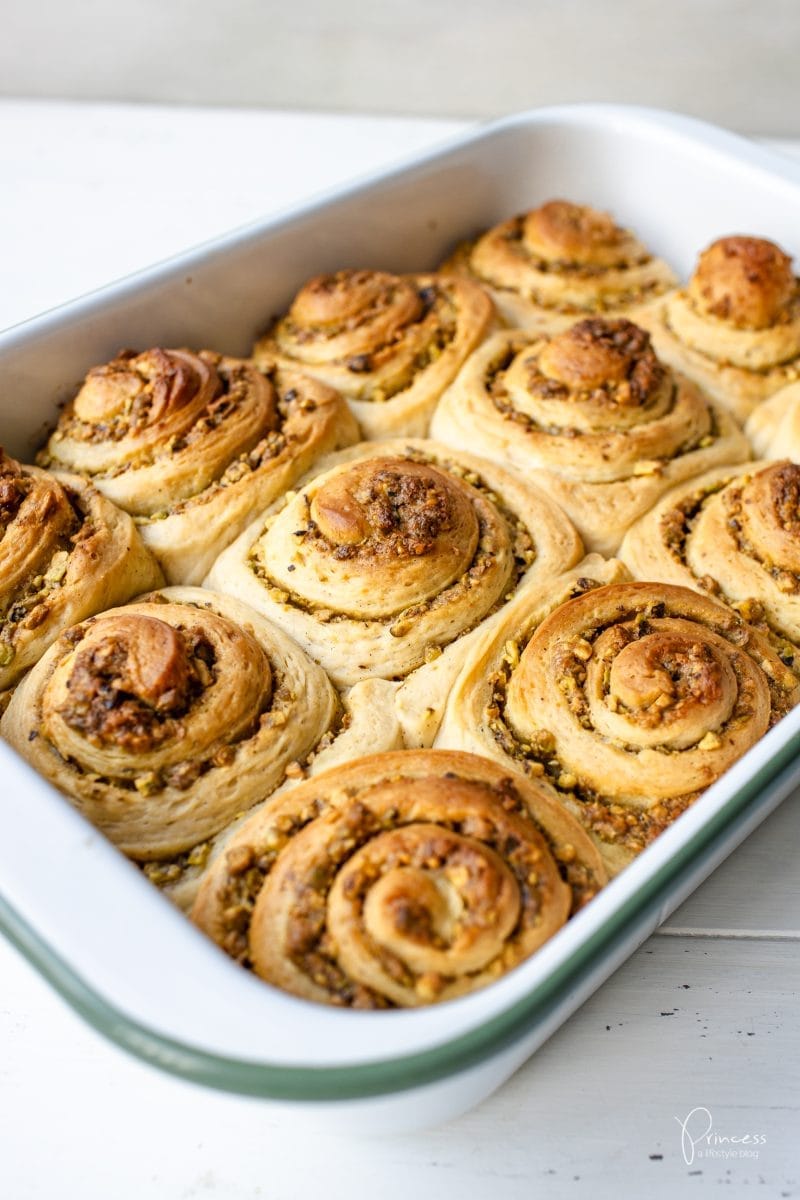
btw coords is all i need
(385, 564)
(398, 880)
(735, 328)
(389, 343)
(65, 553)
(548, 267)
(165, 720)
(194, 445)
(623, 701)
(592, 416)
(733, 533)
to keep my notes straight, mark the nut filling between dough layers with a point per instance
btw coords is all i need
(596, 402)
(566, 258)
(401, 889)
(733, 534)
(432, 530)
(136, 702)
(214, 420)
(41, 524)
(632, 699)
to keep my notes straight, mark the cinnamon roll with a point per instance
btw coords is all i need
(547, 267)
(736, 328)
(398, 880)
(733, 533)
(165, 720)
(65, 552)
(390, 343)
(194, 445)
(593, 416)
(382, 565)
(624, 702)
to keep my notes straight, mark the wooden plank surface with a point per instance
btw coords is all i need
(681, 1025)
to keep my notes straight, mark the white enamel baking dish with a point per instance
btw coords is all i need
(108, 941)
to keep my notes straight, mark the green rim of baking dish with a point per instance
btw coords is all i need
(360, 1080)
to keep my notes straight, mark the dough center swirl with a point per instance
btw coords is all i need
(140, 694)
(381, 535)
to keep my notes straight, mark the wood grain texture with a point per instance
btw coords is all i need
(591, 1115)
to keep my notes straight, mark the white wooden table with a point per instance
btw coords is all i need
(705, 1015)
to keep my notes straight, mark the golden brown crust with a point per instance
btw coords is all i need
(546, 267)
(387, 532)
(733, 533)
(561, 232)
(398, 879)
(385, 563)
(165, 720)
(625, 700)
(592, 415)
(390, 344)
(193, 445)
(134, 677)
(747, 281)
(735, 328)
(65, 553)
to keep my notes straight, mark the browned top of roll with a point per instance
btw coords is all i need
(400, 878)
(135, 680)
(747, 281)
(157, 428)
(647, 690)
(155, 387)
(562, 232)
(396, 509)
(131, 682)
(615, 356)
(29, 501)
(381, 534)
(351, 298)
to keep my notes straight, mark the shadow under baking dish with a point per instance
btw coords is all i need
(109, 942)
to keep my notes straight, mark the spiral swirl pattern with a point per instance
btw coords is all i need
(165, 719)
(390, 343)
(383, 564)
(733, 533)
(398, 880)
(736, 328)
(193, 445)
(545, 268)
(594, 415)
(626, 700)
(65, 553)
